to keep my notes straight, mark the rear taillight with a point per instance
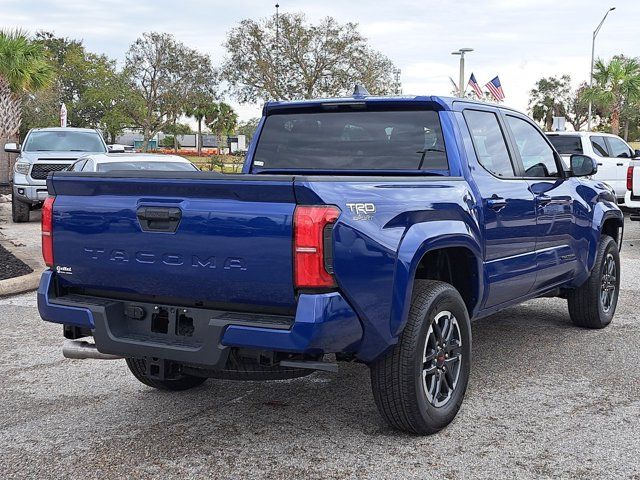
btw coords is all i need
(630, 178)
(47, 231)
(310, 228)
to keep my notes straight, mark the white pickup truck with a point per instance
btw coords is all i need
(632, 197)
(611, 153)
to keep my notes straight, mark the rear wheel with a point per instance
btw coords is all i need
(19, 210)
(420, 384)
(593, 304)
(179, 382)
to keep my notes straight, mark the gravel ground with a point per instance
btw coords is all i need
(546, 400)
(11, 266)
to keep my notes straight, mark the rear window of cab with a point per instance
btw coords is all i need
(352, 140)
(566, 144)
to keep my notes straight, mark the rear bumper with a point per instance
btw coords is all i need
(323, 323)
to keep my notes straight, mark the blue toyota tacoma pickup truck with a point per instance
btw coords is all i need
(371, 228)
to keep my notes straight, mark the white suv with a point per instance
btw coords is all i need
(610, 151)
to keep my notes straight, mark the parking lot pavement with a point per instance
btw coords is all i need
(545, 400)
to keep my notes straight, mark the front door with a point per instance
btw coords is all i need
(555, 244)
(619, 154)
(508, 211)
(611, 170)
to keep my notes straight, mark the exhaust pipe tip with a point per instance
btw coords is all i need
(81, 350)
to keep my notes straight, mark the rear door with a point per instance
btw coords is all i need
(508, 211)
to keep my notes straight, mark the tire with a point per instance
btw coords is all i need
(19, 210)
(587, 305)
(401, 388)
(180, 382)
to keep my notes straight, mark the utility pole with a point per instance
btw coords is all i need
(593, 49)
(277, 48)
(461, 84)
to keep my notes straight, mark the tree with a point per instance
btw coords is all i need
(248, 128)
(577, 110)
(222, 120)
(174, 131)
(23, 68)
(550, 98)
(617, 84)
(96, 94)
(294, 59)
(167, 74)
(202, 105)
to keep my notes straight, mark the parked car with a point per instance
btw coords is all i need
(107, 162)
(46, 150)
(371, 228)
(610, 151)
(632, 197)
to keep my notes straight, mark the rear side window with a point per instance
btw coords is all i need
(364, 140)
(489, 142)
(599, 146)
(566, 144)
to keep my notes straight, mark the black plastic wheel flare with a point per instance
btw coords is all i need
(442, 359)
(609, 283)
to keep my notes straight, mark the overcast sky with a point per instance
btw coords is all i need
(520, 40)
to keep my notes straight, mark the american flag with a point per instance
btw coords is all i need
(495, 88)
(473, 83)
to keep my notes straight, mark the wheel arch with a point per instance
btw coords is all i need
(458, 248)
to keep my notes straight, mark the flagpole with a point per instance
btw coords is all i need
(461, 85)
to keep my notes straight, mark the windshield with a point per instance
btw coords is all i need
(157, 166)
(566, 144)
(364, 140)
(64, 141)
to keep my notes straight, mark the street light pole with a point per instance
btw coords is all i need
(593, 50)
(461, 86)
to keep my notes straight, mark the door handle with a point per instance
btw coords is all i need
(544, 200)
(159, 219)
(599, 164)
(620, 164)
(496, 203)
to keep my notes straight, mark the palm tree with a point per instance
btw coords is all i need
(23, 68)
(204, 106)
(222, 120)
(617, 83)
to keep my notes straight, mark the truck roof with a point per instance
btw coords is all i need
(63, 129)
(433, 101)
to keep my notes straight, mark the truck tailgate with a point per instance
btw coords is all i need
(211, 239)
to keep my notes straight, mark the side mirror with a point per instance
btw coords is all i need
(583, 165)
(116, 148)
(12, 148)
(636, 154)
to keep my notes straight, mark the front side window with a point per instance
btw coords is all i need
(599, 146)
(360, 140)
(618, 148)
(488, 141)
(566, 144)
(538, 158)
(64, 141)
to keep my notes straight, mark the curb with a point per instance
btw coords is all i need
(23, 283)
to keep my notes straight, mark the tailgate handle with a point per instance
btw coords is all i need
(159, 219)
